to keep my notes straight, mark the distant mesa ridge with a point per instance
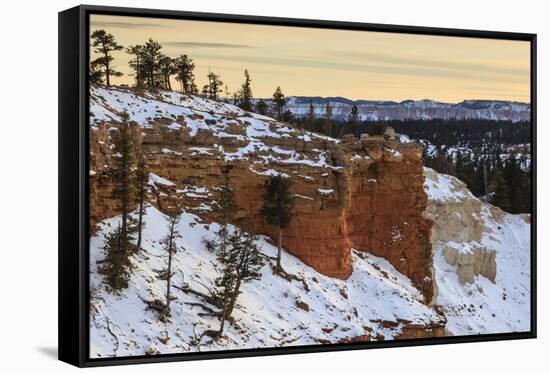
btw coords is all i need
(372, 110)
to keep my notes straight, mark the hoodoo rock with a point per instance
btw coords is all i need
(364, 194)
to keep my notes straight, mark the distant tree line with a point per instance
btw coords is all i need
(503, 179)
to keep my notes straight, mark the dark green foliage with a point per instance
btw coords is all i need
(310, 118)
(95, 73)
(185, 68)
(120, 245)
(116, 265)
(327, 120)
(245, 93)
(377, 129)
(136, 64)
(213, 88)
(167, 68)
(104, 44)
(122, 163)
(279, 103)
(353, 118)
(288, 117)
(502, 182)
(262, 107)
(151, 57)
(277, 207)
(225, 206)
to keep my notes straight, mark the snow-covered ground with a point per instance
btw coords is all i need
(268, 314)
(485, 307)
(272, 311)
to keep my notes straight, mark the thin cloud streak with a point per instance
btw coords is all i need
(125, 25)
(191, 44)
(367, 67)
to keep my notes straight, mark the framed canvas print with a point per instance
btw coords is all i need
(234, 186)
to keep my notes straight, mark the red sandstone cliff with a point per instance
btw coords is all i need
(365, 194)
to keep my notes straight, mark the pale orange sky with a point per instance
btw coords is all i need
(322, 62)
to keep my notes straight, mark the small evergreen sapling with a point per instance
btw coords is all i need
(238, 254)
(169, 243)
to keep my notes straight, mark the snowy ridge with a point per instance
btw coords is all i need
(238, 135)
(267, 315)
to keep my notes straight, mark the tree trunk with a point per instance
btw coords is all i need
(169, 278)
(222, 323)
(124, 204)
(169, 274)
(140, 222)
(279, 244)
(107, 69)
(233, 300)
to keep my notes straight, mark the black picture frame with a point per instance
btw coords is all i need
(73, 166)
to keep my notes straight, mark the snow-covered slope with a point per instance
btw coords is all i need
(376, 302)
(268, 313)
(483, 306)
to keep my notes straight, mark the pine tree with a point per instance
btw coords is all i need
(225, 283)
(96, 75)
(136, 63)
(327, 120)
(142, 178)
(310, 118)
(169, 243)
(167, 68)
(354, 119)
(116, 264)
(214, 86)
(279, 103)
(104, 44)
(262, 107)
(185, 68)
(151, 63)
(277, 208)
(246, 93)
(501, 193)
(238, 254)
(123, 183)
(247, 261)
(288, 116)
(119, 245)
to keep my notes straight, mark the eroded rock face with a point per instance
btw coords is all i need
(458, 227)
(366, 194)
(471, 259)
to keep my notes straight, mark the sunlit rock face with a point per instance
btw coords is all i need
(365, 194)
